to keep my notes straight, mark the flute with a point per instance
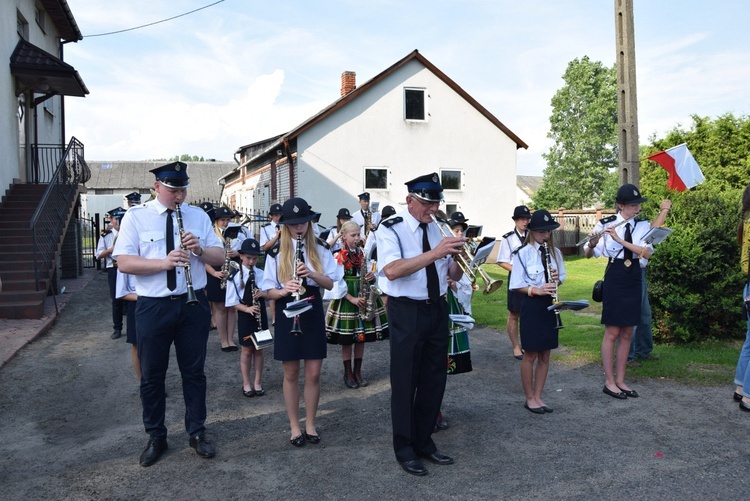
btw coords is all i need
(602, 232)
(191, 299)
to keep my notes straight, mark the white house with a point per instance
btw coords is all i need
(409, 120)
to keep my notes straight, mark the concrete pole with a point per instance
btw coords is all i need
(627, 101)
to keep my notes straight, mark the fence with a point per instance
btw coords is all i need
(574, 226)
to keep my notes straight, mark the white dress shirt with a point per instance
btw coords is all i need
(235, 291)
(142, 233)
(105, 242)
(528, 269)
(607, 247)
(330, 268)
(359, 218)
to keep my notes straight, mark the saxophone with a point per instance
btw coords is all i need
(367, 215)
(367, 291)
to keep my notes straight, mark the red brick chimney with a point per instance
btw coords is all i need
(348, 82)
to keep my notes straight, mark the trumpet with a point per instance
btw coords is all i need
(464, 262)
(296, 328)
(191, 299)
(600, 233)
(548, 279)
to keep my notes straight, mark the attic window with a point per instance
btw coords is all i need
(40, 19)
(415, 104)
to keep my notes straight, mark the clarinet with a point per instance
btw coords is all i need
(548, 279)
(251, 284)
(191, 299)
(296, 328)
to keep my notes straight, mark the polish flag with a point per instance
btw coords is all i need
(684, 172)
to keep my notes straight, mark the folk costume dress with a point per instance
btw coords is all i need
(459, 303)
(537, 324)
(343, 324)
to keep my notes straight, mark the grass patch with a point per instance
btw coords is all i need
(707, 364)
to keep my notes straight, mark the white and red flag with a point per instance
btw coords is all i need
(684, 172)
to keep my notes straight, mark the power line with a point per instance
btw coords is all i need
(155, 22)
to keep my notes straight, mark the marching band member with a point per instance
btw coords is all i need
(225, 318)
(361, 215)
(283, 275)
(509, 243)
(344, 322)
(104, 249)
(239, 296)
(538, 325)
(162, 262)
(335, 235)
(620, 240)
(417, 261)
(126, 291)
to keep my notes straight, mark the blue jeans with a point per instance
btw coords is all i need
(643, 341)
(742, 375)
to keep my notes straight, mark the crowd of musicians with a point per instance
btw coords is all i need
(407, 276)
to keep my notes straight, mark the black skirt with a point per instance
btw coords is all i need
(246, 324)
(621, 303)
(311, 344)
(214, 292)
(537, 325)
(514, 297)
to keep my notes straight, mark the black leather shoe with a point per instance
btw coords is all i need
(547, 408)
(153, 451)
(611, 393)
(441, 424)
(313, 439)
(535, 410)
(298, 441)
(629, 393)
(350, 383)
(361, 381)
(744, 406)
(414, 466)
(202, 446)
(737, 397)
(437, 458)
(116, 334)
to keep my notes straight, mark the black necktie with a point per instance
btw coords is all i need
(628, 254)
(171, 274)
(247, 296)
(433, 283)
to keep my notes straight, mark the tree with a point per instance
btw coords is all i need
(582, 164)
(694, 277)
(186, 158)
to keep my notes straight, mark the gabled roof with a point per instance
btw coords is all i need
(370, 83)
(40, 71)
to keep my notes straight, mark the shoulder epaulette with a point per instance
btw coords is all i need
(322, 242)
(391, 221)
(519, 248)
(106, 232)
(274, 251)
(508, 234)
(267, 224)
(608, 219)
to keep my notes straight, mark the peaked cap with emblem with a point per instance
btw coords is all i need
(344, 214)
(275, 209)
(117, 212)
(629, 194)
(296, 211)
(172, 175)
(223, 213)
(541, 220)
(250, 246)
(426, 187)
(521, 211)
(133, 197)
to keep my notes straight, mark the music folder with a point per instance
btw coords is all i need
(298, 307)
(656, 235)
(262, 339)
(232, 231)
(483, 251)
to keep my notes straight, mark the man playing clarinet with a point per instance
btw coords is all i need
(164, 245)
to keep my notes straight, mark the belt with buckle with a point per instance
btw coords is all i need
(169, 298)
(416, 301)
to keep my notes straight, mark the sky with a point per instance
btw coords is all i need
(245, 70)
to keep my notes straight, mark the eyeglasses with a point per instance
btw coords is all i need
(425, 203)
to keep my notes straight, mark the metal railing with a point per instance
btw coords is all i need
(51, 215)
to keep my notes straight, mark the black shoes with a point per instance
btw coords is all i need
(260, 393)
(611, 393)
(414, 466)
(350, 382)
(629, 393)
(361, 381)
(249, 393)
(737, 397)
(547, 408)
(313, 439)
(298, 441)
(744, 406)
(441, 423)
(202, 446)
(116, 334)
(153, 451)
(535, 410)
(437, 458)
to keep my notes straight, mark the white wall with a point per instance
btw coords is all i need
(371, 132)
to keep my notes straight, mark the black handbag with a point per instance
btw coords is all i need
(598, 293)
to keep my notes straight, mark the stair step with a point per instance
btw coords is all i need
(11, 285)
(18, 310)
(22, 296)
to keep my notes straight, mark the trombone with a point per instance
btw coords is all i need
(464, 262)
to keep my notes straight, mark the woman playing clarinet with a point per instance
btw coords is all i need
(539, 270)
(300, 261)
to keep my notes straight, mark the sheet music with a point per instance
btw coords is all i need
(569, 305)
(656, 235)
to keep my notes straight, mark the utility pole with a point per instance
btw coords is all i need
(627, 101)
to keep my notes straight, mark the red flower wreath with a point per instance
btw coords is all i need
(350, 259)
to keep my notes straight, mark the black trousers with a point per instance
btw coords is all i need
(419, 344)
(161, 323)
(118, 305)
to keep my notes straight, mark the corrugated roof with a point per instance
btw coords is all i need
(134, 176)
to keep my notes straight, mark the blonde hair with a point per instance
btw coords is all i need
(550, 242)
(286, 258)
(349, 226)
